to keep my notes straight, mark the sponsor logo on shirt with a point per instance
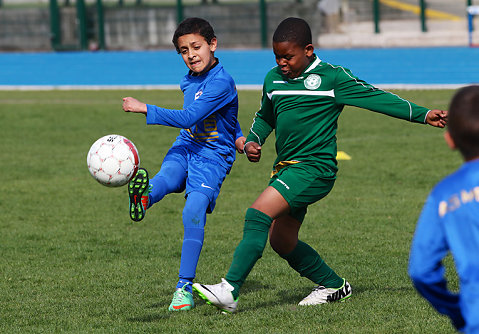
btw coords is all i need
(312, 82)
(198, 94)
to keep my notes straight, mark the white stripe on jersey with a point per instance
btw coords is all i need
(313, 65)
(375, 88)
(302, 92)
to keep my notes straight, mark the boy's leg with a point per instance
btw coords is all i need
(194, 219)
(255, 234)
(268, 206)
(300, 256)
(144, 192)
(224, 295)
(203, 185)
(170, 179)
(307, 262)
(307, 185)
(250, 249)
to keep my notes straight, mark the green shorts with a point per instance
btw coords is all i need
(302, 184)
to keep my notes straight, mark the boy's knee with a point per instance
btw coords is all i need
(282, 238)
(282, 246)
(255, 231)
(194, 212)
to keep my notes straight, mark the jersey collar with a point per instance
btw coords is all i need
(313, 65)
(192, 74)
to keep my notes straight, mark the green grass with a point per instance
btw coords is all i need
(72, 261)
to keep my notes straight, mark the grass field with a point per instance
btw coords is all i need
(72, 261)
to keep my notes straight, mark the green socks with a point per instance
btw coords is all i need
(250, 249)
(307, 262)
(304, 259)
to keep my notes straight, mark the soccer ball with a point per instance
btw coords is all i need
(113, 160)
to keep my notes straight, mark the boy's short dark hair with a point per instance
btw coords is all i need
(193, 25)
(463, 121)
(295, 30)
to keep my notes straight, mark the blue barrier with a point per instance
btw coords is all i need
(397, 66)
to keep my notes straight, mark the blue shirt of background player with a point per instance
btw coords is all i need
(450, 222)
(209, 120)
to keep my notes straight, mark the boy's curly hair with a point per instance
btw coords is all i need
(193, 25)
(294, 30)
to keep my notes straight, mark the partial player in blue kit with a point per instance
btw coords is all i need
(449, 222)
(203, 153)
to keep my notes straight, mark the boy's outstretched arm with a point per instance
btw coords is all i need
(437, 118)
(131, 104)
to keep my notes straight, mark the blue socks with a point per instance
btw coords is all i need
(194, 220)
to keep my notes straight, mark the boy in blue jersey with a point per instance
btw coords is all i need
(202, 154)
(449, 222)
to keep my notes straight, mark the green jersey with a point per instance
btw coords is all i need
(304, 111)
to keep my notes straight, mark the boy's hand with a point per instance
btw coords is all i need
(253, 151)
(437, 118)
(239, 143)
(131, 104)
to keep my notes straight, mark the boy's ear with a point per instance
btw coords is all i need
(449, 140)
(213, 44)
(309, 50)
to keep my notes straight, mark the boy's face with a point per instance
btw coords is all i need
(291, 58)
(197, 54)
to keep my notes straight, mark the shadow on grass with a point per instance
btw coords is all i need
(153, 317)
(293, 297)
(252, 286)
(158, 305)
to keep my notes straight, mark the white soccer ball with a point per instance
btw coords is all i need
(113, 160)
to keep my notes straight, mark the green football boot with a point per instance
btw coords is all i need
(182, 300)
(138, 190)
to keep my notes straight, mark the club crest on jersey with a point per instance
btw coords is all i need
(312, 82)
(198, 94)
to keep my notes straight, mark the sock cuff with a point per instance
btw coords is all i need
(257, 220)
(256, 215)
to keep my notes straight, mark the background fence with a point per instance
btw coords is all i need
(32, 25)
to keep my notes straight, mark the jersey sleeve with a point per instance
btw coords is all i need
(350, 90)
(215, 97)
(263, 122)
(426, 270)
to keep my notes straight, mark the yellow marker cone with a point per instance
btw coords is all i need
(342, 156)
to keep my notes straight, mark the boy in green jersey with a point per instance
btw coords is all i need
(302, 100)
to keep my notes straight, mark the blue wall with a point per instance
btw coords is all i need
(410, 66)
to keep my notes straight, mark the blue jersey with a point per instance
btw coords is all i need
(450, 222)
(209, 119)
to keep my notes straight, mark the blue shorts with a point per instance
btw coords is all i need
(203, 175)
